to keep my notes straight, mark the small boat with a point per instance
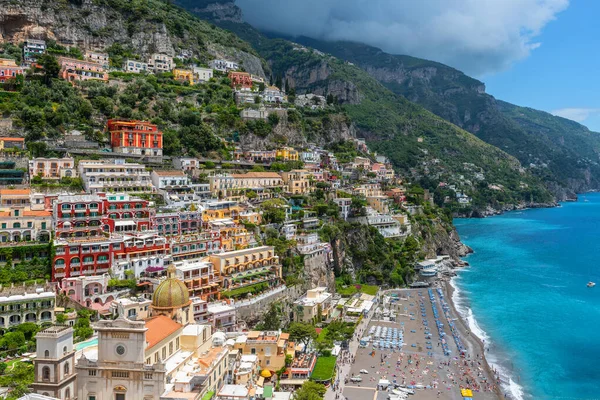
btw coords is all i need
(591, 284)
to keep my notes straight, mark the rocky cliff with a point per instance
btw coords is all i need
(151, 27)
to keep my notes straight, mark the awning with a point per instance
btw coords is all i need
(125, 223)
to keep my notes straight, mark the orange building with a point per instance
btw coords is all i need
(240, 79)
(9, 69)
(135, 137)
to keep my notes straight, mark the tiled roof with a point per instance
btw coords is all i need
(159, 328)
(4, 192)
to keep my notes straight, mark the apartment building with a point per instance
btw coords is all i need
(52, 168)
(194, 245)
(37, 307)
(298, 181)
(32, 49)
(223, 65)
(203, 74)
(237, 184)
(98, 57)
(78, 216)
(315, 306)
(178, 223)
(135, 66)
(76, 257)
(23, 224)
(253, 266)
(287, 154)
(240, 80)
(142, 254)
(159, 63)
(184, 75)
(114, 177)
(270, 347)
(72, 70)
(200, 277)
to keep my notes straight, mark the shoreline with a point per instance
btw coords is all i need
(473, 340)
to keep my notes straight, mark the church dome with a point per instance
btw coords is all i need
(171, 293)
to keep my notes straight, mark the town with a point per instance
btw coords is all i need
(128, 273)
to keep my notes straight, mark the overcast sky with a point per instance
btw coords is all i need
(479, 37)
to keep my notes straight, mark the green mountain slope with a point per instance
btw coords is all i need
(562, 152)
(422, 145)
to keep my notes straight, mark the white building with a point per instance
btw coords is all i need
(222, 317)
(223, 65)
(203, 74)
(114, 176)
(159, 62)
(164, 180)
(272, 94)
(54, 364)
(385, 224)
(314, 306)
(135, 66)
(188, 164)
(36, 307)
(344, 205)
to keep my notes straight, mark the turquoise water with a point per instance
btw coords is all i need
(527, 290)
(86, 344)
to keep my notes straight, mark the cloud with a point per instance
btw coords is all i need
(476, 36)
(576, 114)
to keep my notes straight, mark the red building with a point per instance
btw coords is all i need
(83, 256)
(78, 216)
(240, 79)
(135, 137)
(125, 213)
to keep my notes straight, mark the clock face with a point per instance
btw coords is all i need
(120, 349)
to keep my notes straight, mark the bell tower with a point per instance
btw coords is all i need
(54, 363)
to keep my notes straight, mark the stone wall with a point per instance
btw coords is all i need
(252, 313)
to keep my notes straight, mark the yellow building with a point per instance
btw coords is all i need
(270, 347)
(298, 181)
(184, 75)
(379, 203)
(233, 235)
(287, 154)
(368, 190)
(313, 307)
(258, 266)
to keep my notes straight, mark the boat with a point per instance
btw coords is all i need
(591, 284)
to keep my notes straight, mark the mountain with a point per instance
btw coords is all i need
(561, 152)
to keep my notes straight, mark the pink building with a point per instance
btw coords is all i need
(73, 70)
(9, 69)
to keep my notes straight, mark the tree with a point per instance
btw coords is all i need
(61, 318)
(50, 65)
(272, 319)
(12, 340)
(310, 391)
(29, 329)
(303, 333)
(274, 211)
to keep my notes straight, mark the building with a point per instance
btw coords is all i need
(272, 94)
(114, 177)
(119, 370)
(233, 392)
(99, 58)
(37, 307)
(78, 216)
(200, 278)
(258, 267)
(52, 168)
(222, 317)
(135, 137)
(135, 66)
(203, 74)
(12, 143)
(32, 49)
(240, 80)
(159, 63)
(184, 75)
(262, 183)
(9, 69)
(178, 223)
(91, 291)
(72, 70)
(82, 257)
(124, 213)
(141, 254)
(270, 347)
(344, 205)
(385, 224)
(287, 154)
(247, 96)
(54, 364)
(315, 306)
(169, 180)
(298, 181)
(381, 204)
(20, 224)
(187, 164)
(133, 308)
(223, 65)
(248, 114)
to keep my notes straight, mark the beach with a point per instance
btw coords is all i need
(429, 361)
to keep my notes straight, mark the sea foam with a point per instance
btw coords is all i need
(508, 385)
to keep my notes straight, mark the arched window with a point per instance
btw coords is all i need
(47, 354)
(67, 369)
(17, 225)
(46, 373)
(65, 350)
(67, 393)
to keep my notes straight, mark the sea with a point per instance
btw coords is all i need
(525, 294)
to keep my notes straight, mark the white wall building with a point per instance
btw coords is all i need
(135, 66)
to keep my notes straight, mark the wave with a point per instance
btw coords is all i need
(508, 385)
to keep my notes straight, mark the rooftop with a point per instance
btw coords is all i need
(233, 391)
(172, 172)
(159, 328)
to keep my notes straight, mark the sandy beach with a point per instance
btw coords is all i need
(425, 360)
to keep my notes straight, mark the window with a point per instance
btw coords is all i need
(92, 372)
(65, 350)
(164, 353)
(43, 225)
(119, 396)
(91, 397)
(46, 373)
(47, 354)
(67, 370)
(253, 351)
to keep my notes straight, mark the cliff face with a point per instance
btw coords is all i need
(95, 25)
(337, 128)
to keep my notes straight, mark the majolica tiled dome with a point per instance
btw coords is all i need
(171, 293)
